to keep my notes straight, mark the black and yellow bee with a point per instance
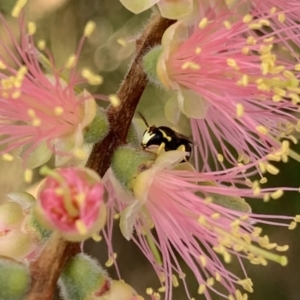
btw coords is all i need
(166, 138)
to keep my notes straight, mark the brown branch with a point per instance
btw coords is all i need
(47, 268)
(129, 93)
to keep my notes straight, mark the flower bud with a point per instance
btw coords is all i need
(128, 162)
(14, 279)
(71, 201)
(132, 136)
(83, 278)
(97, 129)
(119, 290)
(150, 64)
(15, 241)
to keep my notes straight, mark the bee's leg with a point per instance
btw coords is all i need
(182, 148)
(161, 148)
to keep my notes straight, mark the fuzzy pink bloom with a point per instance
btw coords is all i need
(39, 109)
(196, 216)
(71, 201)
(232, 84)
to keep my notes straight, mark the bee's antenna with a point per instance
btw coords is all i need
(143, 118)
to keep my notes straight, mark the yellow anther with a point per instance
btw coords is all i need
(245, 50)
(281, 17)
(18, 7)
(198, 50)
(162, 289)
(297, 67)
(96, 237)
(31, 27)
(295, 98)
(203, 23)
(276, 98)
(41, 44)
(89, 28)
(210, 281)
(255, 26)
(116, 216)
(297, 218)
(218, 277)
(270, 246)
(282, 248)
(215, 216)
(279, 91)
(201, 289)
(81, 227)
(36, 122)
(251, 40)
(7, 157)
(190, 65)
(232, 63)
(220, 157)
(273, 10)
(58, 110)
(244, 217)
(273, 157)
(114, 100)
(266, 197)
(277, 194)
(262, 167)
(269, 39)
(244, 80)
(227, 257)
(247, 18)
(262, 129)
(16, 94)
(175, 281)
(272, 169)
(111, 260)
(246, 284)
(203, 260)
(264, 22)
(235, 223)
(292, 225)
(149, 291)
(202, 220)
(285, 146)
(239, 110)
(71, 61)
(262, 260)
(28, 174)
(227, 25)
(263, 180)
(91, 78)
(289, 74)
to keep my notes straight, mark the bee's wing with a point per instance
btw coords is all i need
(183, 137)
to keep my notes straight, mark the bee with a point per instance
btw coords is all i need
(166, 138)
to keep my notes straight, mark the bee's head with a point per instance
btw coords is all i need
(151, 136)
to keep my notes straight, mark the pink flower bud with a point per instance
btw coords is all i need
(71, 202)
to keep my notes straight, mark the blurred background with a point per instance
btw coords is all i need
(108, 52)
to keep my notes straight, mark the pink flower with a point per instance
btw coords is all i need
(71, 202)
(41, 112)
(199, 217)
(232, 85)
